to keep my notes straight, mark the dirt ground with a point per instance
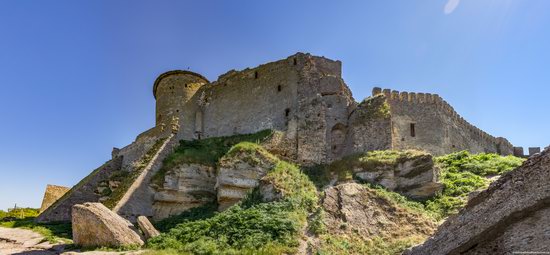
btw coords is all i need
(26, 242)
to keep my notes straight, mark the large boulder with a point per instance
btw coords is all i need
(356, 209)
(411, 173)
(94, 225)
(510, 217)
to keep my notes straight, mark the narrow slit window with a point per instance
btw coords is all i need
(256, 75)
(287, 112)
(279, 88)
(295, 62)
(413, 130)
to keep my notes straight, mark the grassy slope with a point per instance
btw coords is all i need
(206, 151)
(463, 173)
(250, 227)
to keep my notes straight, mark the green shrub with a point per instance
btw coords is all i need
(193, 214)
(251, 226)
(483, 164)
(19, 213)
(401, 201)
(234, 229)
(463, 173)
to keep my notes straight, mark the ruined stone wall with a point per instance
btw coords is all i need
(135, 151)
(370, 126)
(324, 104)
(84, 191)
(427, 122)
(52, 194)
(302, 95)
(248, 101)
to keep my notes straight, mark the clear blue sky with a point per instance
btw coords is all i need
(76, 76)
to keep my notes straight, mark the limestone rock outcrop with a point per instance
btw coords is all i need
(411, 173)
(355, 208)
(185, 187)
(511, 216)
(94, 225)
(240, 172)
(146, 227)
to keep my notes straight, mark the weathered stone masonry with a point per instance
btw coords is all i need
(305, 98)
(425, 121)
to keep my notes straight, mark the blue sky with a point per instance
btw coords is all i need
(76, 76)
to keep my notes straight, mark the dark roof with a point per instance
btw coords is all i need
(166, 74)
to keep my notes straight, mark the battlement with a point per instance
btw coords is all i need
(435, 102)
(518, 151)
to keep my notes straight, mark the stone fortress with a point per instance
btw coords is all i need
(305, 98)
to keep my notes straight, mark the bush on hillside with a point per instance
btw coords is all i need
(463, 173)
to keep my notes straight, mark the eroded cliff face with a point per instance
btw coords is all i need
(185, 187)
(353, 208)
(240, 172)
(412, 173)
(510, 216)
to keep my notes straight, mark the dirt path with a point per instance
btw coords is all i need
(25, 242)
(22, 241)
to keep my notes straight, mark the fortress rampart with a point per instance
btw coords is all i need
(305, 98)
(424, 120)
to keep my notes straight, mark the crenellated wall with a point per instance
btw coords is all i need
(426, 121)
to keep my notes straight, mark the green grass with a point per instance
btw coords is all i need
(256, 227)
(127, 178)
(235, 229)
(194, 214)
(249, 227)
(483, 164)
(206, 152)
(463, 173)
(342, 244)
(402, 201)
(19, 213)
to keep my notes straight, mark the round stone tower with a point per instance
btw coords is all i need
(172, 90)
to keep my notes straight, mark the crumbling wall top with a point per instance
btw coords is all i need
(174, 72)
